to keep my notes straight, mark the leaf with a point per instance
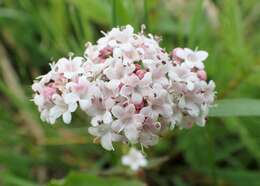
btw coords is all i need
(11, 14)
(232, 28)
(239, 177)
(195, 148)
(13, 85)
(195, 22)
(245, 132)
(125, 13)
(84, 179)
(11, 180)
(236, 107)
(97, 10)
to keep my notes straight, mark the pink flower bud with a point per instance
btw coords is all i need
(176, 57)
(105, 52)
(202, 75)
(139, 106)
(120, 86)
(138, 67)
(178, 61)
(140, 74)
(48, 92)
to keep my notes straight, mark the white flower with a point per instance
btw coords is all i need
(158, 104)
(191, 58)
(179, 75)
(70, 67)
(80, 86)
(159, 69)
(64, 105)
(136, 87)
(189, 107)
(106, 135)
(134, 159)
(99, 112)
(149, 134)
(84, 91)
(128, 121)
(118, 70)
(119, 35)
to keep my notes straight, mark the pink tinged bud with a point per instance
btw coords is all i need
(77, 79)
(138, 67)
(120, 86)
(176, 55)
(125, 104)
(202, 75)
(48, 92)
(177, 61)
(105, 52)
(80, 87)
(140, 74)
(139, 106)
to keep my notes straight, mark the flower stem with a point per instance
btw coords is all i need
(114, 18)
(146, 17)
(211, 155)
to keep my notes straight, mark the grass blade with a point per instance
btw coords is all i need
(236, 107)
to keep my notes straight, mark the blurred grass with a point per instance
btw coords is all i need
(34, 33)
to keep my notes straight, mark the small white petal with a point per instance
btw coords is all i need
(117, 125)
(126, 91)
(66, 117)
(38, 100)
(126, 160)
(94, 131)
(56, 112)
(107, 118)
(190, 85)
(181, 54)
(85, 104)
(96, 120)
(72, 107)
(68, 75)
(132, 134)
(130, 109)
(134, 166)
(71, 98)
(106, 142)
(202, 55)
(117, 111)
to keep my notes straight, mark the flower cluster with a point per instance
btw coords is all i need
(131, 88)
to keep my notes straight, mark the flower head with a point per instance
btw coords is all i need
(131, 89)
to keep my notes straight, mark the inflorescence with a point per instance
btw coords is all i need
(129, 86)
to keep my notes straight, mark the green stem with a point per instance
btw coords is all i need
(211, 155)
(114, 18)
(146, 17)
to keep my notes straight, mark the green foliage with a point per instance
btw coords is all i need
(225, 152)
(236, 107)
(240, 177)
(82, 179)
(11, 180)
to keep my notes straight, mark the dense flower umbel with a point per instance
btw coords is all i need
(129, 86)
